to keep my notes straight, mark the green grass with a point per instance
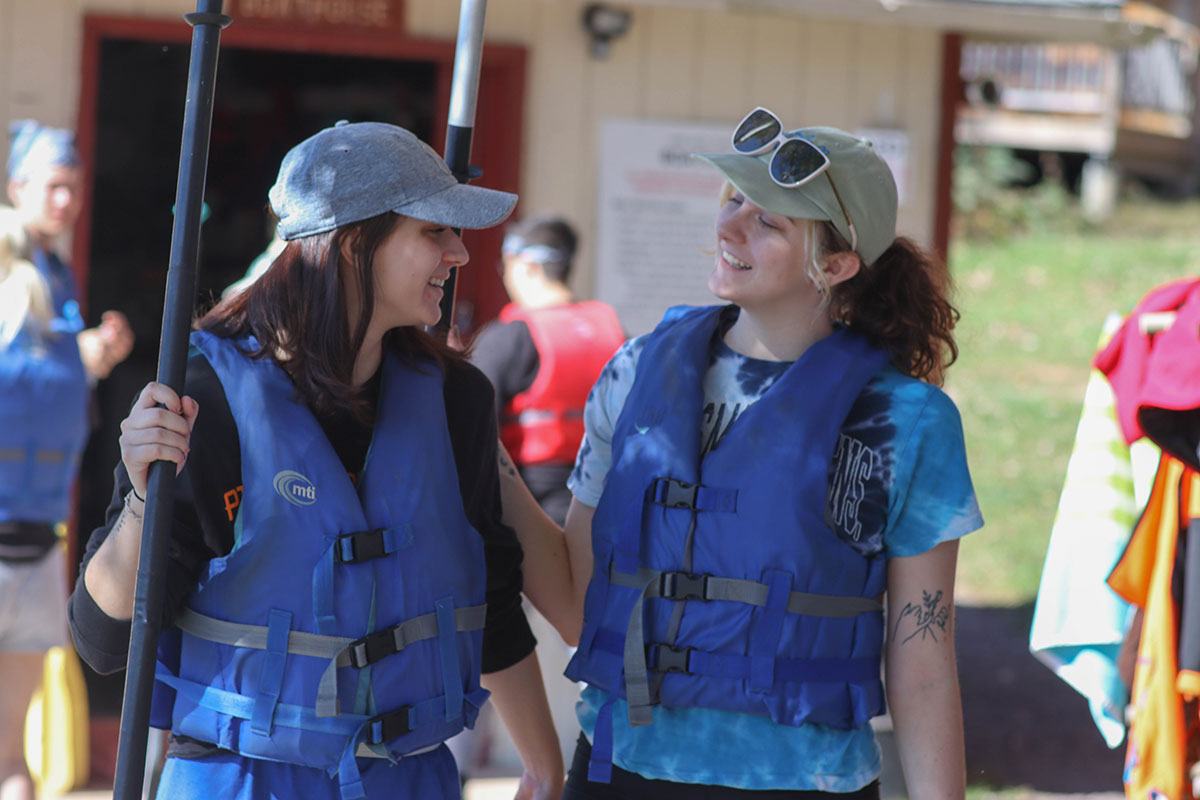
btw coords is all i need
(1032, 309)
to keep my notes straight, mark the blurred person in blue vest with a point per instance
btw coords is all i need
(542, 356)
(47, 361)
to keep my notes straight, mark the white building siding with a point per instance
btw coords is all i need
(674, 63)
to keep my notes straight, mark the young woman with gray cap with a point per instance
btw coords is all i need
(339, 575)
(756, 478)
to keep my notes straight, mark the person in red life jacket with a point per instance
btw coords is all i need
(756, 479)
(48, 360)
(542, 356)
(341, 593)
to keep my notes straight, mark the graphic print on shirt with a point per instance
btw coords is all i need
(862, 472)
(732, 384)
(853, 463)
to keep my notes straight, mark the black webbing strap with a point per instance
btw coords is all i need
(389, 725)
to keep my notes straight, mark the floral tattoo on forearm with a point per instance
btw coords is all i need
(929, 618)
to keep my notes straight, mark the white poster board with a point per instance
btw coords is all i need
(893, 145)
(656, 217)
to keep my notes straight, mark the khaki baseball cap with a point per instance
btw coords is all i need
(864, 183)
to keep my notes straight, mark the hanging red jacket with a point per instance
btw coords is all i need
(1155, 369)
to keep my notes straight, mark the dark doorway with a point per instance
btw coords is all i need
(266, 101)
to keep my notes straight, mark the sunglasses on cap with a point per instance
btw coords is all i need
(796, 160)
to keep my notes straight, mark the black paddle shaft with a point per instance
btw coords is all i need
(207, 23)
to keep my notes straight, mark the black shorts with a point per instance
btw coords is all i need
(631, 786)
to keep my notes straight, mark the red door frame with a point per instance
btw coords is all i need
(499, 116)
(952, 94)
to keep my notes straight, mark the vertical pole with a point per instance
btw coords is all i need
(464, 91)
(952, 93)
(207, 23)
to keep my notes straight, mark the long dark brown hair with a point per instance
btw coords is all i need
(901, 303)
(298, 313)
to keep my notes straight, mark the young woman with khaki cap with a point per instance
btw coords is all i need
(760, 480)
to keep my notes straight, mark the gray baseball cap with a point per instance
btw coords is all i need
(864, 183)
(355, 171)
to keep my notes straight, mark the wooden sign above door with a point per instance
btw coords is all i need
(359, 14)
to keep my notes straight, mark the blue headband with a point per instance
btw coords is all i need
(35, 145)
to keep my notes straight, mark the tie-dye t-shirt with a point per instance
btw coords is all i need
(898, 484)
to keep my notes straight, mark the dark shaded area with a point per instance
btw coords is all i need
(1024, 725)
(265, 103)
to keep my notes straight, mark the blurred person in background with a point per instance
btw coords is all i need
(542, 356)
(47, 361)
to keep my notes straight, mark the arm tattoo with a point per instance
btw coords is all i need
(928, 618)
(507, 466)
(124, 515)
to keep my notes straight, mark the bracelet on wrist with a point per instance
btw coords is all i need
(129, 506)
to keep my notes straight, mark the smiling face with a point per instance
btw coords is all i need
(48, 201)
(411, 265)
(761, 259)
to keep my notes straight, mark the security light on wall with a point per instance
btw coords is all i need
(603, 24)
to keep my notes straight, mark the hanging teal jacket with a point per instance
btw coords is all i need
(43, 408)
(718, 583)
(347, 620)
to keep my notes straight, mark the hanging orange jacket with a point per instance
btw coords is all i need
(544, 424)
(1156, 762)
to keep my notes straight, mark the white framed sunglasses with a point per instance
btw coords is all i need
(796, 160)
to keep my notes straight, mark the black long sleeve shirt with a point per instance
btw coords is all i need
(208, 492)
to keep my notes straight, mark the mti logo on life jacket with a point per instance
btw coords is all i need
(295, 488)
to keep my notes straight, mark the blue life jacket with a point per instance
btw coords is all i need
(347, 620)
(43, 408)
(718, 583)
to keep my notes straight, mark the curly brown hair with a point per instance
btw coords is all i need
(901, 303)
